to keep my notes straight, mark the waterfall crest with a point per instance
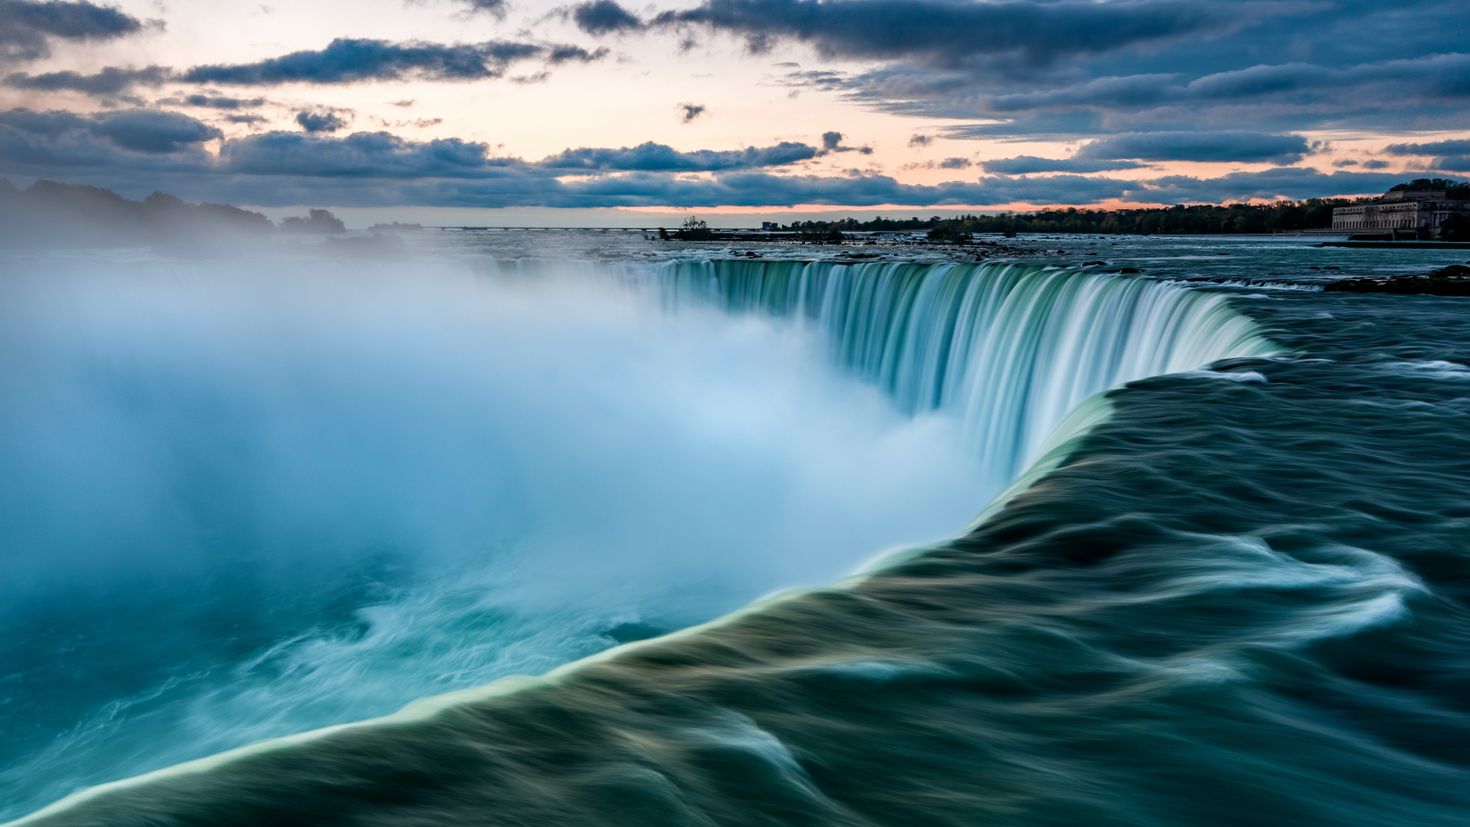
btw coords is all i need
(1010, 349)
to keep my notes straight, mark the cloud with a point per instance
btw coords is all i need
(137, 139)
(496, 8)
(568, 54)
(1063, 69)
(690, 111)
(946, 33)
(1282, 182)
(921, 140)
(216, 102)
(651, 157)
(1453, 146)
(322, 120)
(359, 155)
(27, 27)
(601, 17)
(137, 151)
(348, 60)
(1451, 155)
(832, 142)
(108, 82)
(1027, 164)
(1239, 146)
(152, 131)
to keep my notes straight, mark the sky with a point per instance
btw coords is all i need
(518, 111)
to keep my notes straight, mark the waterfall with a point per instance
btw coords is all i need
(1016, 353)
(1010, 349)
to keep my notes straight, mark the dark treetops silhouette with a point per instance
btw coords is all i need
(51, 214)
(1182, 219)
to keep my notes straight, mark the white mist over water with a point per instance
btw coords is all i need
(279, 494)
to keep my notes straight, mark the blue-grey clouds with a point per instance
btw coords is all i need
(1067, 69)
(348, 60)
(948, 33)
(28, 27)
(1029, 164)
(63, 143)
(1221, 145)
(1283, 182)
(600, 17)
(141, 150)
(655, 157)
(107, 82)
(216, 101)
(1449, 155)
(322, 120)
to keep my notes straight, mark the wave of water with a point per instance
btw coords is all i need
(999, 354)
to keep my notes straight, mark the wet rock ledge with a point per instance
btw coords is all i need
(1453, 280)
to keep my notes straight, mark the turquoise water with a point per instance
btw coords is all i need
(1239, 597)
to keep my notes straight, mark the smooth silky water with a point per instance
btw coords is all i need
(278, 498)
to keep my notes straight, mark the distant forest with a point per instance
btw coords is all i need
(1183, 219)
(52, 214)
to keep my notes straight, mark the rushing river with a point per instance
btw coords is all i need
(1220, 576)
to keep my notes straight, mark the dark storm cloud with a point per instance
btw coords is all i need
(135, 139)
(347, 60)
(1027, 164)
(152, 130)
(496, 8)
(27, 28)
(359, 155)
(601, 17)
(107, 82)
(1197, 146)
(569, 54)
(944, 32)
(1451, 155)
(1065, 69)
(321, 120)
(383, 155)
(1453, 146)
(652, 157)
(1284, 182)
(690, 111)
(217, 102)
(833, 142)
(516, 187)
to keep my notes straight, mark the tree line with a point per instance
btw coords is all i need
(1181, 219)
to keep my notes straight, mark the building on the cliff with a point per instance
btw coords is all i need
(1398, 214)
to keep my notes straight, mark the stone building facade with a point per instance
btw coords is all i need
(1413, 213)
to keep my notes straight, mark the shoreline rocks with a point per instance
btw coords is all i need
(1453, 280)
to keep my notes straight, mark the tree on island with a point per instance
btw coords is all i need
(694, 228)
(1453, 190)
(951, 232)
(318, 222)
